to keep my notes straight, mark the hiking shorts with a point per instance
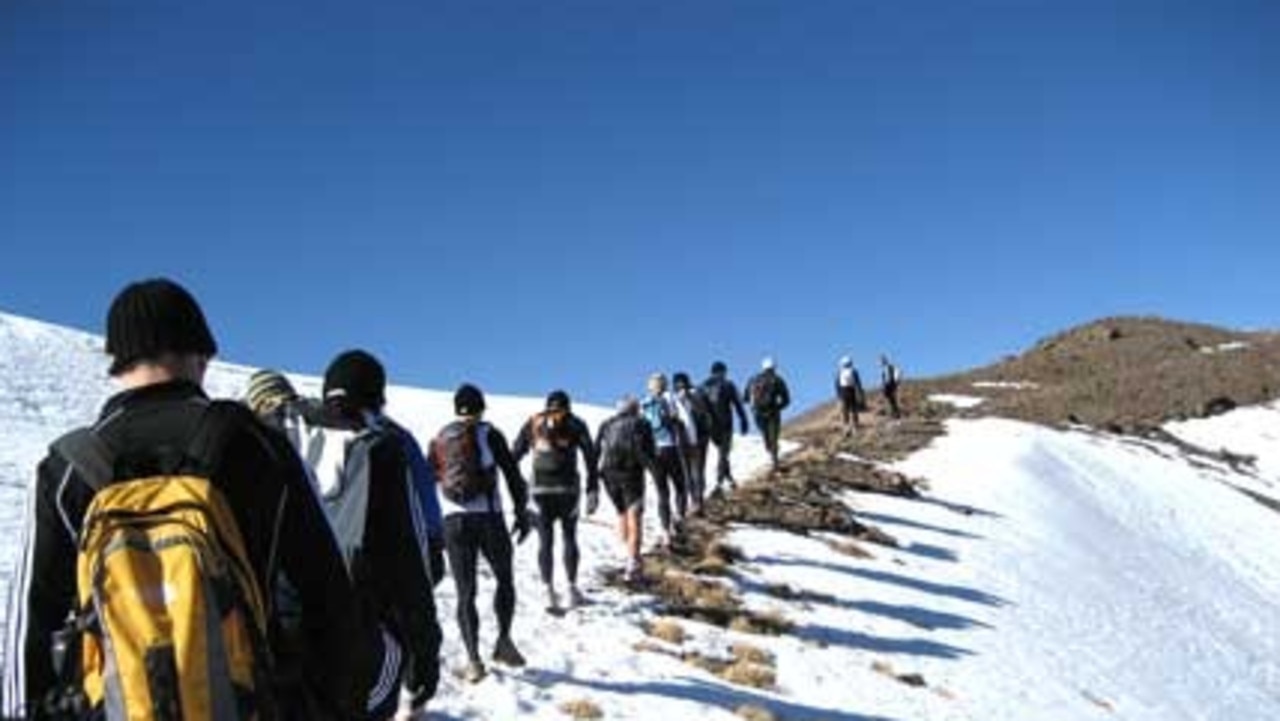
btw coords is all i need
(625, 488)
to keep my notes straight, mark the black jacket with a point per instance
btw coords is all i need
(635, 435)
(278, 515)
(565, 482)
(389, 572)
(780, 396)
(722, 398)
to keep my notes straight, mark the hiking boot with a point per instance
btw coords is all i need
(505, 652)
(474, 672)
(576, 598)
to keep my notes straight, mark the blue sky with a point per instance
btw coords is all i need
(541, 194)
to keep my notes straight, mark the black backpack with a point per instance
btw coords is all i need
(618, 439)
(460, 470)
(719, 404)
(554, 443)
(703, 418)
(764, 393)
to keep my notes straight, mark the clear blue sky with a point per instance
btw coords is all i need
(567, 193)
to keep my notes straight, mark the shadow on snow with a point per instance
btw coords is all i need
(711, 694)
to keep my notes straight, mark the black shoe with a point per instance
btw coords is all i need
(505, 652)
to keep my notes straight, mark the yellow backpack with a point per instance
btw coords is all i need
(170, 621)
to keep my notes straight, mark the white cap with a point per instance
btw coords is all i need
(767, 363)
(845, 361)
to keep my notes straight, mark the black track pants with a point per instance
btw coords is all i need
(467, 537)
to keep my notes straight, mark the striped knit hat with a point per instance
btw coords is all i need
(267, 390)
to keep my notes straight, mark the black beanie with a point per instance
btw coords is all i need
(557, 400)
(468, 400)
(357, 379)
(681, 381)
(153, 317)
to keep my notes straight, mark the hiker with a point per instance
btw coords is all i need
(163, 463)
(850, 394)
(274, 400)
(364, 475)
(890, 379)
(768, 396)
(627, 450)
(659, 411)
(556, 436)
(722, 397)
(695, 415)
(467, 455)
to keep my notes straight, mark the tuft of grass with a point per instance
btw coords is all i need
(726, 553)
(582, 709)
(709, 664)
(752, 712)
(871, 534)
(666, 629)
(753, 675)
(747, 653)
(850, 549)
(710, 567)
(769, 623)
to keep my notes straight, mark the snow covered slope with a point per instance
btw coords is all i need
(1047, 575)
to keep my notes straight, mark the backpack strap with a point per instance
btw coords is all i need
(210, 435)
(92, 458)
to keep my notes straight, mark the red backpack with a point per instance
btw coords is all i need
(460, 470)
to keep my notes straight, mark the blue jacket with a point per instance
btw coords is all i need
(427, 518)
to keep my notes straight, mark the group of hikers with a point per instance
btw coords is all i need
(852, 398)
(277, 558)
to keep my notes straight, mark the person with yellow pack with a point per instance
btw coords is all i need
(152, 545)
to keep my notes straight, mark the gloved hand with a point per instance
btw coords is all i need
(520, 529)
(435, 557)
(593, 501)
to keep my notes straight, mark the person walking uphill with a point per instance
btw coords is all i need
(364, 476)
(722, 398)
(208, 497)
(467, 455)
(626, 452)
(695, 415)
(850, 394)
(658, 408)
(556, 436)
(890, 379)
(768, 396)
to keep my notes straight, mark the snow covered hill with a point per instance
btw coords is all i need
(1045, 575)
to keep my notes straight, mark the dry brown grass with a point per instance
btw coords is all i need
(666, 629)
(753, 675)
(848, 548)
(1122, 374)
(768, 623)
(748, 653)
(710, 567)
(752, 712)
(582, 709)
